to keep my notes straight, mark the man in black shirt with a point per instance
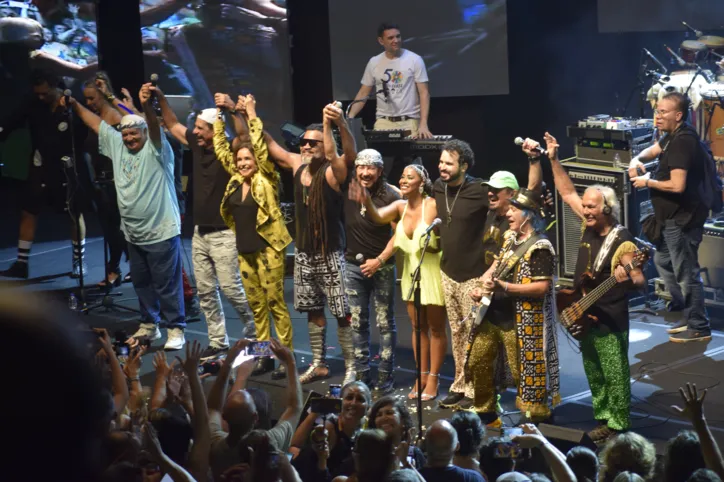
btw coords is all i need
(463, 204)
(606, 248)
(319, 261)
(371, 271)
(679, 212)
(52, 179)
(214, 245)
(441, 442)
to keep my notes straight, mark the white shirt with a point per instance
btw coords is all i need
(401, 74)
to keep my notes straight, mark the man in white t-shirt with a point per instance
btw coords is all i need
(400, 78)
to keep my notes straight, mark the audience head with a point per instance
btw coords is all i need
(627, 452)
(538, 477)
(266, 458)
(240, 413)
(403, 475)
(494, 466)
(390, 415)
(683, 457)
(704, 475)
(174, 431)
(356, 399)
(441, 442)
(263, 405)
(63, 418)
(121, 446)
(512, 477)
(629, 477)
(374, 455)
(470, 430)
(584, 463)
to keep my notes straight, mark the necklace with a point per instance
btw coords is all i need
(449, 208)
(305, 189)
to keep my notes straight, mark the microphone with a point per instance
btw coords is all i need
(696, 32)
(519, 142)
(679, 60)
(385, 91)
(66, 95)
(435, 223)
(154, 80)
(359, 258)
(656, 61)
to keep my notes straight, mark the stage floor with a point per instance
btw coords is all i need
(658, 367)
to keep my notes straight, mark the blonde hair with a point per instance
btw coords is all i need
(627, 452)
(609, 199)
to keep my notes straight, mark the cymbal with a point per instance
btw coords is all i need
(712, 41)
(694, 45)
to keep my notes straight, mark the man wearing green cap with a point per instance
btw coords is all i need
(471, 211)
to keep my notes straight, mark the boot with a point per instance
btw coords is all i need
(318, 342)
(247, 318)
(344, 335)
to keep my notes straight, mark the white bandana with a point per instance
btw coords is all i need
(132, 121)
(369, 157)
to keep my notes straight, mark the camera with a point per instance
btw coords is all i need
(326, 405)
(507, 448)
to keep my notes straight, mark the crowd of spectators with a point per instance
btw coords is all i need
(75, 412)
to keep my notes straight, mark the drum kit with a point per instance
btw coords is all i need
(700, 76)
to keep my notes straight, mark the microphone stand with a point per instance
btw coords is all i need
(415, 292)
(364, 99)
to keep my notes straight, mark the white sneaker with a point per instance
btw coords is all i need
(175, 340)
(147, 330)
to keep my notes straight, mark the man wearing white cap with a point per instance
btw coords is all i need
(213, 245)
(143, 170)
(371, 271)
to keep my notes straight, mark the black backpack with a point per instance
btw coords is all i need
(711, 193)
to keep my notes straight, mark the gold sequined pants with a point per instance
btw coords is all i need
(458, 305)
(482, 363)
(262, 274)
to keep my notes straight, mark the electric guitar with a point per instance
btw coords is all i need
(574, 302)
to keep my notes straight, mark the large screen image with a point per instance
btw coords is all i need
(236, 47)
(464, 43)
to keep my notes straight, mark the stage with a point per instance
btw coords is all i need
(658, 367)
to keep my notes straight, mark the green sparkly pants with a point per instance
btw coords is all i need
(605, 361)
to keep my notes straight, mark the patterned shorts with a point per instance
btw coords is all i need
(319, 279)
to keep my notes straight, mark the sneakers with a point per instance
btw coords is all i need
(212, 352)
(689, 335)
(148, 331)
(176, 339)
(678, 327)
(451, 400)
(192, 309)
(16, 270)
(77, 266)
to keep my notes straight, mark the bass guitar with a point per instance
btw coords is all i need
(574, 302)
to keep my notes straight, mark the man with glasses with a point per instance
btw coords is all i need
(679, 213)
(319, 262)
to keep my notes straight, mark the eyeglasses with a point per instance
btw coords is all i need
(661, 113)
(311, 142)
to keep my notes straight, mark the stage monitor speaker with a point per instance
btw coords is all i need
(710, 256)
(583, 175)
(565, 438)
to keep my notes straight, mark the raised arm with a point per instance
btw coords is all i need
(256, 133)
(163, 371)
(535, 175)
(132, 371)
(237, 113)
(562, 181)
(333, 115)
(694, 411)
(282, 157)
(198, 461)
(217, 394)
(556, 460)
(177, 129)
(293, 396)
(118, 378)
(360, 100)
(89, 118)
(154, 127)
(222, 148)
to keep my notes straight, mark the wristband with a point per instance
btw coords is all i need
(533, 160)
(134, 379)
(379, 258)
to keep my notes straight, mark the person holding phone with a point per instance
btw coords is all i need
(250, 208)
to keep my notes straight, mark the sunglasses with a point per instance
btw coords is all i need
(311, 142)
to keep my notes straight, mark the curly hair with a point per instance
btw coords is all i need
(471, 432)
(627, 452)
(403, 412)
(683, 457)
(462, 149)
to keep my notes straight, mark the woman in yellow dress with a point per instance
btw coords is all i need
(252, 199)
(413, 215)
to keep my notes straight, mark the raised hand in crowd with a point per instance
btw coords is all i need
(163, 373)
(693, 409)
(132, 371)
(533, 438)
(118, 378)
(320, 444)
(127, 99)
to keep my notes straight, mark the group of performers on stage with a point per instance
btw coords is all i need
(350, 221)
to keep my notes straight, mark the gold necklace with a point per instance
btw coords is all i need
(449, 208)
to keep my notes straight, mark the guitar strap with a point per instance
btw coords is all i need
(606, 249)
(507, 264)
